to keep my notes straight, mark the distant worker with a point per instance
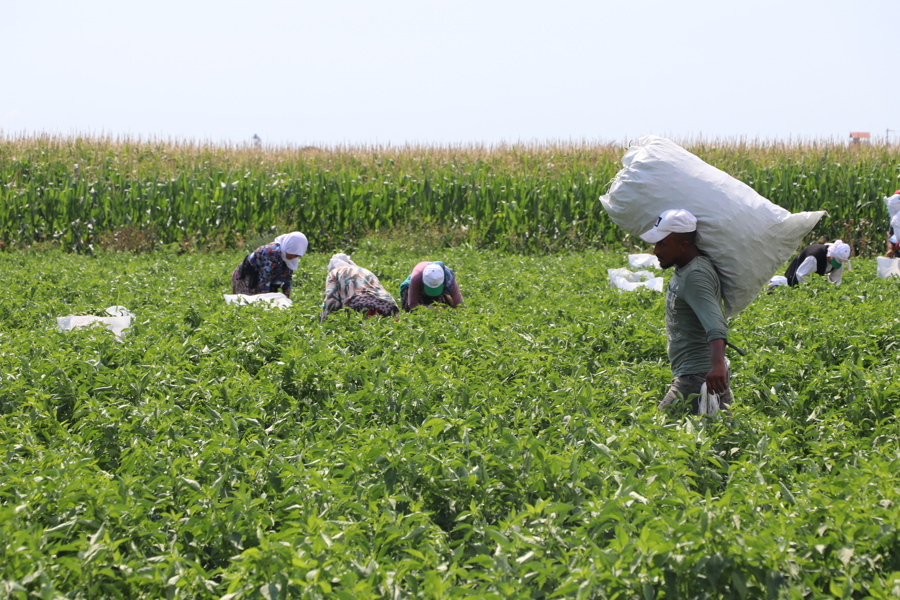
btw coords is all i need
(350, 286)
(695, 323)
(893, 206)
(430, 283)
(270, 268)
(821, 259)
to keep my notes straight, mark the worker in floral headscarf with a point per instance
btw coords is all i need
(350, 286)
(270, 268)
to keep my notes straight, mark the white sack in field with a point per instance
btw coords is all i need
(118, 321)
(887, 266)
(643, 261)
(778, 281)
(747, 237)
(623, 279)
(270, 299)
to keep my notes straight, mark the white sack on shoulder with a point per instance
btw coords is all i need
(747, 237)
(269, 299)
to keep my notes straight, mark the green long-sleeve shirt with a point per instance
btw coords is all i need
(694, 316)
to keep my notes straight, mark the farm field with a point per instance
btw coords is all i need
(508, 450)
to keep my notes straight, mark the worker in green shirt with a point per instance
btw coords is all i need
(695, 324)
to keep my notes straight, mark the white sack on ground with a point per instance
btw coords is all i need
(118, 321)
(885, 267)
(271, 299)
(643, 261)
(623, 279)
(747, 237)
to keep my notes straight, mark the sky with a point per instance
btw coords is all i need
(449, 72)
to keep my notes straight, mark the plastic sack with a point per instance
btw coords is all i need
(747, 237)
(118, 321)
(893, 205)
(625, 280)
(778, 280)
(709, 402)
(270, 299)
(643, 261)
(885, 267)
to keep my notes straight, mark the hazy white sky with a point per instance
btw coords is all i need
(450, 71)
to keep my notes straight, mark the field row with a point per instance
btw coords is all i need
(508, 450)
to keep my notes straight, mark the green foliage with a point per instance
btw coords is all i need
(511, 449)
(86, 193)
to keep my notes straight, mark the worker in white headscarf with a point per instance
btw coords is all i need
(822, 259)
(430, 283)
(893, 206)
(270, 268)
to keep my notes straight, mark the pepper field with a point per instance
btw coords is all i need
(511, 449)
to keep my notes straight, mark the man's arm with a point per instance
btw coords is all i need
(701, 293)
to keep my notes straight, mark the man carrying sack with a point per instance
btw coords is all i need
(695, 324)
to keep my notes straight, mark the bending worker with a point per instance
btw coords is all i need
(270, 267)
(821, 259)
(350, 286)
(695, 324)
(430, 283)
(893, 206)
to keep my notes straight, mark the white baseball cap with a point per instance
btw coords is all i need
(433, 279)
(671, 221)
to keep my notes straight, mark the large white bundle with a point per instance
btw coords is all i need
(747, 237)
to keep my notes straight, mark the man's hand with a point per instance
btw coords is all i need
(890, 253)
(717, 379)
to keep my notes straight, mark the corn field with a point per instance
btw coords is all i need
(79, 192)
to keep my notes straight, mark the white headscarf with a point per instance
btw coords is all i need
(839, 250)
(339, 260)
(292, 243)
